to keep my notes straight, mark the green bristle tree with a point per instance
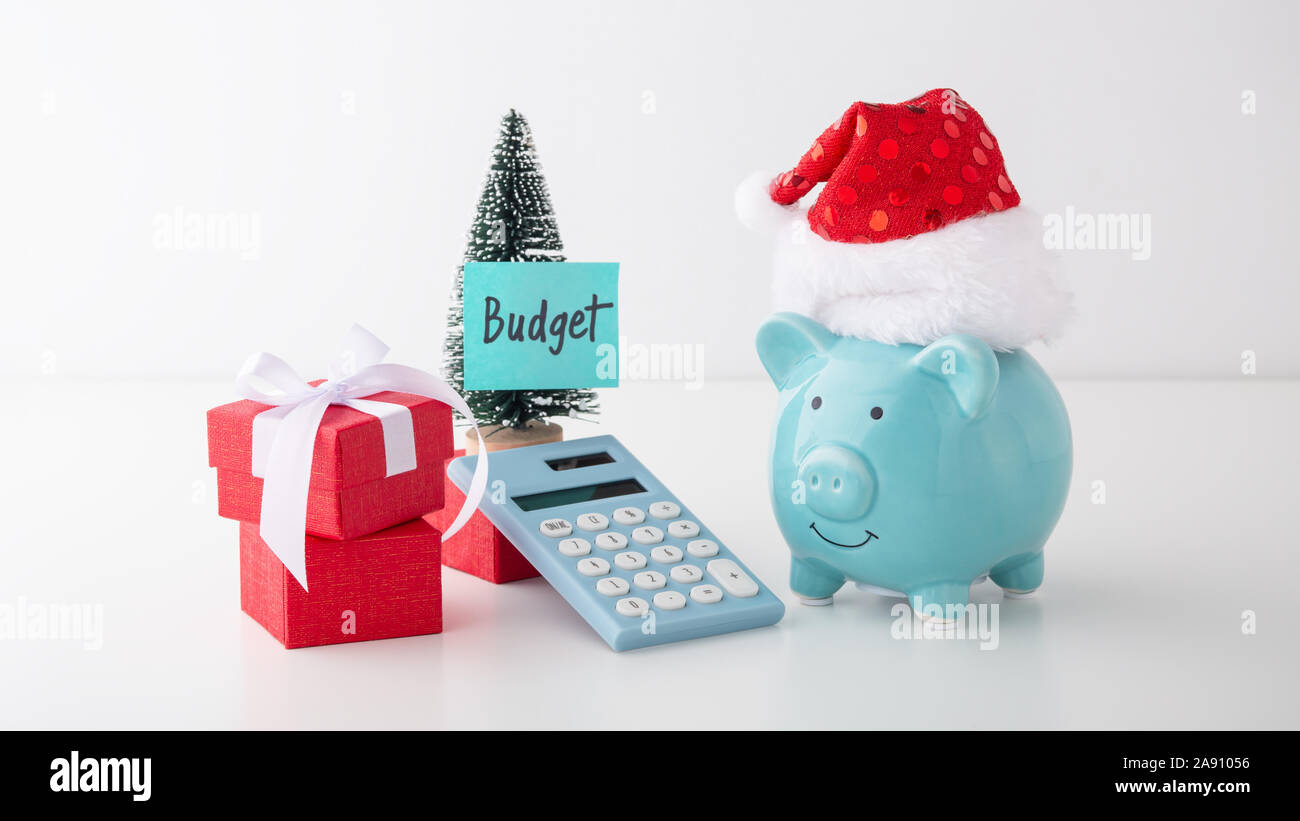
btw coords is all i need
(514, 223)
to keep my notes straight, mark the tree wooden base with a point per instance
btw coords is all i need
(499, 438)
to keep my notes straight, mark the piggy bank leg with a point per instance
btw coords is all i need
(814, 583)
(1020, 575)
(939, 602)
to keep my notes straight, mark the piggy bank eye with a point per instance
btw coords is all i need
(816, 402)
(876, 413)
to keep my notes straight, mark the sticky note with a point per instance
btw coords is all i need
(541, 325)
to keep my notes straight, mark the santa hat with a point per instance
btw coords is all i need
(917, 233)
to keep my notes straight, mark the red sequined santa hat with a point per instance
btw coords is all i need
(918, 231)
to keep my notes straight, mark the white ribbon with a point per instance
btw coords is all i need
(286, 462)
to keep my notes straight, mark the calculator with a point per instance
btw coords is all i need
(618, 546)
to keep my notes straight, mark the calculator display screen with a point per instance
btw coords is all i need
(573, 495)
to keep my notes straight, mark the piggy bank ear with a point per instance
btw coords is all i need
(786, 340)
(966, 365)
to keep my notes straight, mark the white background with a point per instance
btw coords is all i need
(358, 135)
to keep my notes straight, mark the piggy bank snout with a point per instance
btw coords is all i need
(837, 482)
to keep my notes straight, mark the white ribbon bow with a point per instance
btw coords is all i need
(358, 372)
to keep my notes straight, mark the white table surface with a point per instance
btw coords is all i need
(108, 500)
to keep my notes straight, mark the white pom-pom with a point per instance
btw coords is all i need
(755, 208)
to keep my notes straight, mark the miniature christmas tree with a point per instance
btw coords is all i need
(514, 223)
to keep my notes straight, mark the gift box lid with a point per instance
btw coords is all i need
(349, 447)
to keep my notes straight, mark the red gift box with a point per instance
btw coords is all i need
(349, 495)
(478, 548)
(381, 586)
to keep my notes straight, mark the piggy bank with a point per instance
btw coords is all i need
(912, 469)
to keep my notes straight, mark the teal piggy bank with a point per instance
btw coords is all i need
(913, 469)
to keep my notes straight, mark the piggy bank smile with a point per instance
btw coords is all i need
(822, 536)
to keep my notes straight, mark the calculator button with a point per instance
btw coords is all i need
(706, 594)
(592, 521)
(687, 574)
(556, 528)
(683, 529)
(650, 580)
(734, 580)
(666, 554)
(631, 560)
(593, 567)
(629, 515)
(613, 586)
(611, 541)
(701, 548)
(574, 548)
(665, 510)
(670, 600)
(632, 606)
(647, 535)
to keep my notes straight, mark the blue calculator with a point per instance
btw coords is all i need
(622, 550)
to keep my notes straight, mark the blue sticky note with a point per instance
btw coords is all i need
(541, 325)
